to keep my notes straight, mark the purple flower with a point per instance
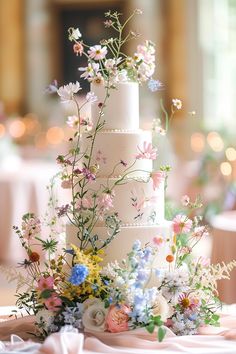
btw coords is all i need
(52, 88)
(61, 211)
(155, 85)
(88, 174)
(78, 274)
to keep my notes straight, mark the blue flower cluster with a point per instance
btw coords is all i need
(78, 274)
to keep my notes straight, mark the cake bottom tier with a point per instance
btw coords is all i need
(123, 242)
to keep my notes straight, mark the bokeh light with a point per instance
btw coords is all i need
(17, 128)
(55, 135)
(2, 130)
(197, 142)
(226, 168)
(230, 153)
(215, 141)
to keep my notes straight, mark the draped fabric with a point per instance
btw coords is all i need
(217, 340)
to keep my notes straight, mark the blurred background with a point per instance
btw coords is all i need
(195, 58)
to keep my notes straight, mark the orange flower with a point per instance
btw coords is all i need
(170, 258)
(78, 49)
(34, 257)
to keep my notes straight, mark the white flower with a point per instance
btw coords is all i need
(66, 92)
(94, 315)
(45, 317)
(90, 97)
(73, 121)
(138, 57)
(177, 103)
(97, 52)
(98, 79)
(90, 70)
(122, 76)
(109, 64)
(74, 34)
(161, 308)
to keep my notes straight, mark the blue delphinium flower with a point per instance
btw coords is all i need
(78, 274)
(155, 85)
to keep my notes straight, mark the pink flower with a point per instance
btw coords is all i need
(148, 152)
(45, 283)
(181, 224)
(66, 184)
(117, 318)
(78, 48)
(105, 201)
(53, 302)
(157, 178)
(158, 240)
(97, 52)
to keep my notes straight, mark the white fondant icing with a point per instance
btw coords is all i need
(135, 201)
(117, 146)
(122, 106)
(123, 242)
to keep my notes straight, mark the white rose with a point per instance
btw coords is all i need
(161, 308)
(94, 315)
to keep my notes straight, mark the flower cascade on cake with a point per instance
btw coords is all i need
(123, 266)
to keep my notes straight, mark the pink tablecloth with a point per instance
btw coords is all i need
(22, 190)
(211, 341)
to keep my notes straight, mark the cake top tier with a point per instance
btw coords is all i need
(121, 109)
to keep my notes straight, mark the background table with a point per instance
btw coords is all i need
(22, 190)
(224, 250)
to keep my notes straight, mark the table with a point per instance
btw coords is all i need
(22, 190)
(224, 250)
(133, 342)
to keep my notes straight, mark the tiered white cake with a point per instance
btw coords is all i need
(140, 208)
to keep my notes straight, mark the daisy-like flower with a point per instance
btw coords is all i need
(89, 71)
(74, 34)
(98, 79)
(97, 52)
(147, 152)
(45, 283)
(90, 97)
(67, 92)
(73, 121)
(177, 103)
(181, 224)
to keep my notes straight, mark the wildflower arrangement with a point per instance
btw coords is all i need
(69, 286)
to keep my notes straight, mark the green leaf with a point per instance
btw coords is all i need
(157, 320)
(46, 294)
(161, 333)
(150, 327)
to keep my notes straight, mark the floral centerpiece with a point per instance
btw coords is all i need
(68, 286)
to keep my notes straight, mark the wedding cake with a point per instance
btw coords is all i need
(138, 203)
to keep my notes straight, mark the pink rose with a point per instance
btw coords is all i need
(53, 302)
(117, 318)
(45, 283)
(66, 184)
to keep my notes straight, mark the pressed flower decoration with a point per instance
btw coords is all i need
(67, 285)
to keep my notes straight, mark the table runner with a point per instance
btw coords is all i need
(211, 340)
